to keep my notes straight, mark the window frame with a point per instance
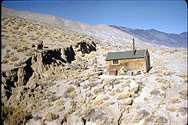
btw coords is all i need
(115, 63)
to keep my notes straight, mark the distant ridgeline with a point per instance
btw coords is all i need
(157, 37)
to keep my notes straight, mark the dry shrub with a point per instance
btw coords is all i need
(7, 56)
(25, 48)
(160, 120)
(3, 46)
(8, 50)
(70, 92)
(14, 47)
(17, 116)
(4, 111)
(175, 99)
(29, 54)
(183, 94)
(155, 92)
(33, 38)
(172, 108)
(141, 115)
(13, 59)
(51, 116)
(183, 110)
(4, 61)
(22, 49)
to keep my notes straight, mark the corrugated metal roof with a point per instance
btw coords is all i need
(125, 55)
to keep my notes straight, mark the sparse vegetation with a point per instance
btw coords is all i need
(8, 50)
(155, 92)
(15, 115)
(13, 59)
(172, 108)
(81, 89)
(3, 45)
(20, 50)
(183, 94)
(29, 54)
(4, 111)
(51, 116)
(4, 61)
(70, 92)
(7, 56)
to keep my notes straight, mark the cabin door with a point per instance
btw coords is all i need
(116, 72)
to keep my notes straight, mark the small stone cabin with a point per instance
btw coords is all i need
(133, 61)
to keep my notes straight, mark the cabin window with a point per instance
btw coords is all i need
(115, 61)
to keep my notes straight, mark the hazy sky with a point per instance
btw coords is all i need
(164, 15)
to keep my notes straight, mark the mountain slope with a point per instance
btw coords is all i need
(158, 37)
(103, 32)
(67, 81)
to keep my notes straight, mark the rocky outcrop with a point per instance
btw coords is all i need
(86, 47)
(34, 68)
(18, 76)
(69, 54)
(8, 81)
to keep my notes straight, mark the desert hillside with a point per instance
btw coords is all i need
(66, 82)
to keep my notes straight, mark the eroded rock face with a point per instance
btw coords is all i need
(21, 73)
(35, 66)
(69, 54)
(86, 47)
(8, 81)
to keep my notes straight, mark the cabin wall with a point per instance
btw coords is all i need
(129, 64)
